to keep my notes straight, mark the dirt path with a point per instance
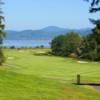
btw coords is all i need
(97, 87)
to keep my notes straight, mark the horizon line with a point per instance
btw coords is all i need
(48, 27)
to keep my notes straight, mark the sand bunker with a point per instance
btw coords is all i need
(10, 58)
(40, 52)
(82, 62)
(21, 51)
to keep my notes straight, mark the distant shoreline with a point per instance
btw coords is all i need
(27, 39)
(26, 43)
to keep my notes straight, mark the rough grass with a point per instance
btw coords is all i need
(41, 77)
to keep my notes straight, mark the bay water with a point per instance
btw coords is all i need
(26, 43)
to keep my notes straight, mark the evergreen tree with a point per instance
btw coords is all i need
(90, 46)
(94, 5)
(2, 58)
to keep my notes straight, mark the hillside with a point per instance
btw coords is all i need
(45, 33)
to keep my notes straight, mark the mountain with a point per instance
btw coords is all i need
(45, 33)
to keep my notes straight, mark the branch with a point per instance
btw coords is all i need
(94, 5)
(94, 9)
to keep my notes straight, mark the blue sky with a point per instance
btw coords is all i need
(37, 14)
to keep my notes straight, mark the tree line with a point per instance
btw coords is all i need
(74, 45)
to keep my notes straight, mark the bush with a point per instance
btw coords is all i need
(42, 46)
(65, 45)
(57, 45)
(12, 47)
(90, 47)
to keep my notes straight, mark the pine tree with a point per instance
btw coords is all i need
(94, 5)
(2, 58)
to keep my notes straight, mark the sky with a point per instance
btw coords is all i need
(37, 14)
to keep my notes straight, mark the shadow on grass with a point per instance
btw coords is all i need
(93, 84)
(43, 54)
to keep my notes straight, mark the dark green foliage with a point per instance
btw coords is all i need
(87, 50)
(2, 34)
(72, 44)
(90, 47)
(57, 45)
(12, 47)
(65, 45)
(42, 46)
(94, 5)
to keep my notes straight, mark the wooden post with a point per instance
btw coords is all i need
(78, 79)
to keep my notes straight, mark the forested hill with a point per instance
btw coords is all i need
(45, 33)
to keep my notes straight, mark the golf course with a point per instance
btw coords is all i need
(32, 74)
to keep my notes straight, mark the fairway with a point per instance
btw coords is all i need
(30, 74)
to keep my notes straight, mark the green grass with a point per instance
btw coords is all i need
(30, 75)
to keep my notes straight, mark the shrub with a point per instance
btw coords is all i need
(65, 45)
(12, 47)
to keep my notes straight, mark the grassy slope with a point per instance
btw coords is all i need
(30, 77)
